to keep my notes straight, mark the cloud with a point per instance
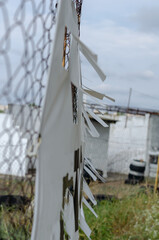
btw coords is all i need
(122, 51)
(127, 56)
(148, 74)
(147, 19)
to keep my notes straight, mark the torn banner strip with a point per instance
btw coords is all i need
(59, 180)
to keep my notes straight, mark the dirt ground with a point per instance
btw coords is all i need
(115, 186)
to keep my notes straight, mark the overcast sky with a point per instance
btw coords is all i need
(125, 35)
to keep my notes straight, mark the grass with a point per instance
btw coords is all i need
(16, 224)
(133, 216)
(17, 186)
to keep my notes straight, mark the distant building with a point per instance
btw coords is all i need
(113, 151)
(3, 108)
(138, 140)
(97, 148)
(27, 118)
(127, 142)
(153, 144)
(118, 145)
(12, 148)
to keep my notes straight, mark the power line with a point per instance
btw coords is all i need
(145, 94)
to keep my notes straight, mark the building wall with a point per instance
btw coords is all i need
(96, 148)
(154, 133)
(27, 118)
(153, 143)
(12, 147)
(127, 143)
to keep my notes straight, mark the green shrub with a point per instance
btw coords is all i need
(131, 218)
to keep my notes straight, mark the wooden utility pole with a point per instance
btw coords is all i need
(130, 92)
(64, 48)
(156, 180)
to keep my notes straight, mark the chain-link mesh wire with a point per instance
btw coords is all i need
(26, 36)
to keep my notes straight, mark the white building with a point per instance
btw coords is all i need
(12, 148)
(113, 151)
(119, 144)
(127, 142)
(97, 148)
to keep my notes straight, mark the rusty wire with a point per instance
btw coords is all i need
(26, 36)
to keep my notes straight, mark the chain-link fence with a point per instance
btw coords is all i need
(26, 36)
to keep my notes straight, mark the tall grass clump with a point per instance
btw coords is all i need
(12, 222)
(134, 217)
